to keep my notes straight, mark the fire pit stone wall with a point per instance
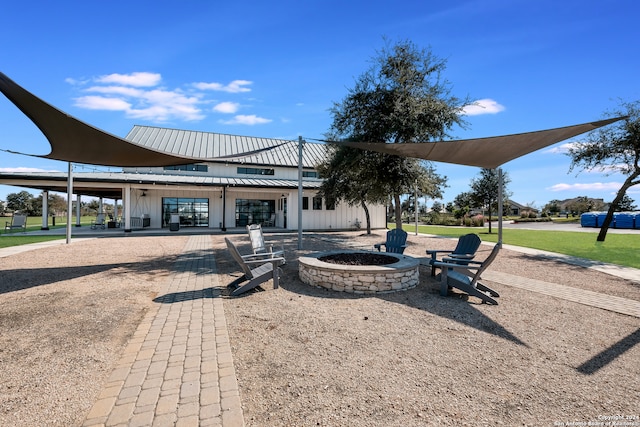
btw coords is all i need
(365, 279)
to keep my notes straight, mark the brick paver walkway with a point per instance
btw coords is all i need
(581, 296)
(177, 370)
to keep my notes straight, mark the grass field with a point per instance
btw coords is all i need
(620, 249)
(8, 239)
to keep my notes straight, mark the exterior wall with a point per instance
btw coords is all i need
(343, 217)
(228, 170)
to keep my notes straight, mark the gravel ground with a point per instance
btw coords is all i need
(66, 313)
(306, 356)
(311, 357)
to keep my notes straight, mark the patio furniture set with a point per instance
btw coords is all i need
(458, 268)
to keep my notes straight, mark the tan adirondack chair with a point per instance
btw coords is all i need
(258, 244)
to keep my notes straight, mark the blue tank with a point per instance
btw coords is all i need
(588, 219)
(624, 219)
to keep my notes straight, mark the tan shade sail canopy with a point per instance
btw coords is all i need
(74, 141)
(483, 152)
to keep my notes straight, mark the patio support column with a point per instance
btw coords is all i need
(126, 208)
(78, 211)
(416, 206)
(224, 209)
(45, 210)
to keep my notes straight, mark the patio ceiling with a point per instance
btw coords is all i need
(483, 152)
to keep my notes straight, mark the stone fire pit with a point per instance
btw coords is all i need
(401, 273)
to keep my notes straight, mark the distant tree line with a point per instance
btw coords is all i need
(27, 203)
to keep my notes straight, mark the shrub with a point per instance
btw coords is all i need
(478, 221)
(451, 221)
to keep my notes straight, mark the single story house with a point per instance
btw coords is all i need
(516, 209)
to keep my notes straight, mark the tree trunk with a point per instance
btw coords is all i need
(398, 209)
(367, 216)
(607, 220)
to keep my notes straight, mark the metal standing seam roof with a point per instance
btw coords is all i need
(204, 146)
(150, 178)
(58, 181)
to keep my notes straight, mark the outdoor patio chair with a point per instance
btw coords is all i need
(465, 250)
(271, 222)
(257, 269)
(98, 222)
(396, 241)
(257, 242)
(18, 222)
(466, 276)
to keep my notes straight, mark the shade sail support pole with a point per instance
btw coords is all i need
(69, 201)
(500, 205)
(300, 142)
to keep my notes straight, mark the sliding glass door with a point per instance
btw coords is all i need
(255, 212)
(193, 212)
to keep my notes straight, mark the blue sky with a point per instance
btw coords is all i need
(273, 69)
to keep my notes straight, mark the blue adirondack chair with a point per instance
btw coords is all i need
(396, 242)
(465, 250)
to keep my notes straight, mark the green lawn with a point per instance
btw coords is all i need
(620, 249)
(17, 238)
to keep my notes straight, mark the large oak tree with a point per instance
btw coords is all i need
(401, 98)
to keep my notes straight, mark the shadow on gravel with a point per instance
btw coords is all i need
(25, 278)
(610, 354)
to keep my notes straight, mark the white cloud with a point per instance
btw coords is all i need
(483, 106)
(102, 103)
(562, 149)
(246, 120)
(140, 96)
(139, 79)
(226, 107)
(235, 86)
(116, 90)
(593, 186)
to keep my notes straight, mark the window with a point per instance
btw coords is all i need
(190, 167)
(305, 203)
(330, 203)
(254, 211)
(193, 212)
(256, 171)
(317, 203)
(309, 174)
